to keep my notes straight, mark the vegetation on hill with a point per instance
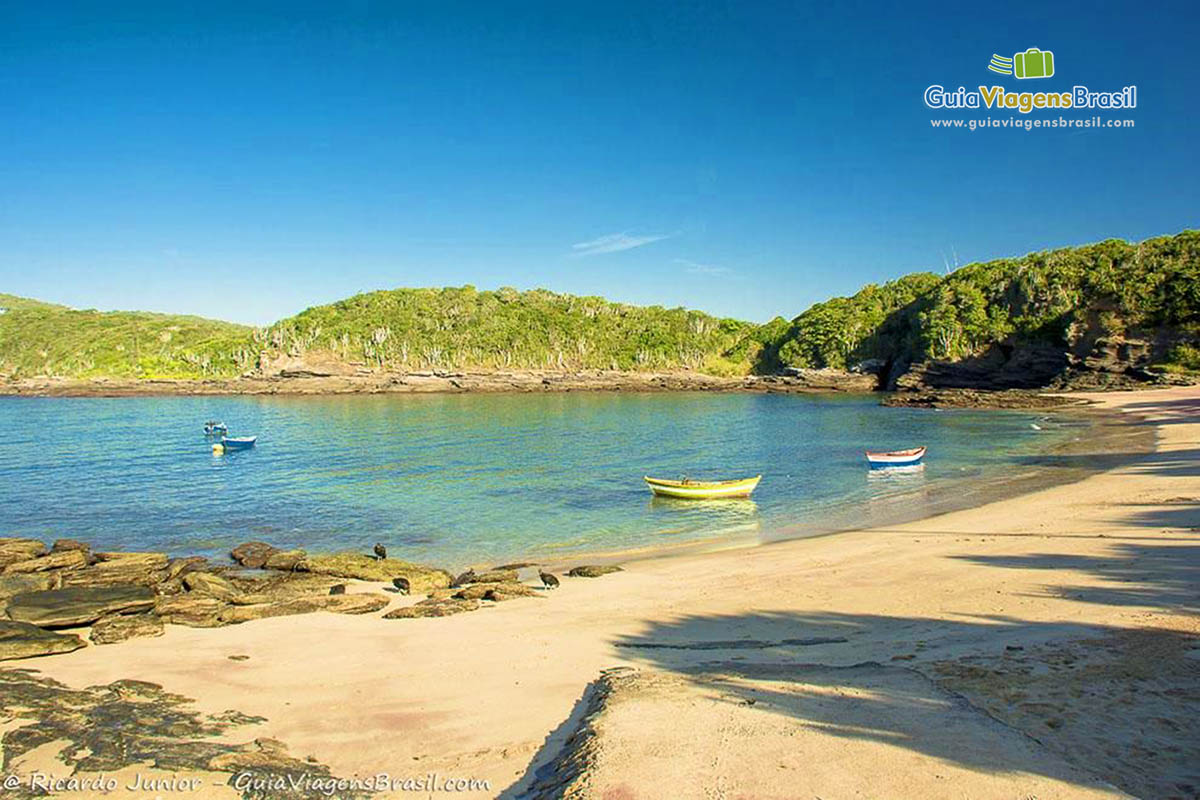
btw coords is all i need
(1056, 297)
(1060, 298)
(40, 339)
(538, 329)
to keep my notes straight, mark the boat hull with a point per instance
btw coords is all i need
(899, 458)
(695, 490)
(239, 444)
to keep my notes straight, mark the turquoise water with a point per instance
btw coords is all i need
(478, 479)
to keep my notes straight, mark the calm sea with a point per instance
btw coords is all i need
(478, 479)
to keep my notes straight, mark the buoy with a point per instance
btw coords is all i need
(218, 449)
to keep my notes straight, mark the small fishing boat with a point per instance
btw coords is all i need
(234, 443)
(688, 489)
(213, 428)
(895, 458)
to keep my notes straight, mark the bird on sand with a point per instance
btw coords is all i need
(380, 551)
(402, 585)
(548, 580)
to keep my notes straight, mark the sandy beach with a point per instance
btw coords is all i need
(1043, 646)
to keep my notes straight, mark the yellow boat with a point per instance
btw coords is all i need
(688, 489)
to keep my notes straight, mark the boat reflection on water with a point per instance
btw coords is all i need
(719, 520)
(896, 475)
(738, 507)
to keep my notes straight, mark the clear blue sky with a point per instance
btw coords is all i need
(748, 159)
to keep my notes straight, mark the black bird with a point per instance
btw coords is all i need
(339, 588)
(548, 580)
(402, 585)
(380, 551)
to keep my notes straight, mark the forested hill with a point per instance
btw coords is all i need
(42, 339)
(507, 329)
(1035, 315)
(1031, 318)
(401, 329)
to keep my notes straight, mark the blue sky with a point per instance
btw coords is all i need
(244, 161)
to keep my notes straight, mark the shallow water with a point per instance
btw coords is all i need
(477, 479)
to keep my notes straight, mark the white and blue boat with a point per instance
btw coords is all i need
(213, 428)
(234, 443)
(895, 458)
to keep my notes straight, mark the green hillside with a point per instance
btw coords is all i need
(538, 329)
(39, 339)
(1063, 298)
(1062, 301)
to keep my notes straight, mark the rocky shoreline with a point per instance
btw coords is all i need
(52, 597)
(309, 382)
(921, 388)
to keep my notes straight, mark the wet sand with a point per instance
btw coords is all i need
(1044, 645)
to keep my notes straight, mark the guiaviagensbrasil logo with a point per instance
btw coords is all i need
(1025, 65)
(1033, 63)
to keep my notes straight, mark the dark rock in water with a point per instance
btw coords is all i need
(66, 559)
(285, 560)
(592, 571)
(433, 608)
(548, 580)
(339, 588)
(22, 640)
(380, 551)
(118, 628)
(252, 554)
(402, 585)
(78, 605)
(519, 565)
(192, 609)
(969, 398)
(13, 550)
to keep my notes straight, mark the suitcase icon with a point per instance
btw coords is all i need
(1033, 63)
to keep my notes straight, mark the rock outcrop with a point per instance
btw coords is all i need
(120, 569)
(433, 608)
(252, 554)
(368, 568)
(193, 610)
(13, 550)
(117, 627)
(74, 606)
(23, 640)
(592, 570)
(64, 559)
(336, 603)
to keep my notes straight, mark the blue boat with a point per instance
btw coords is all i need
(235, 443)
(895, 458)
